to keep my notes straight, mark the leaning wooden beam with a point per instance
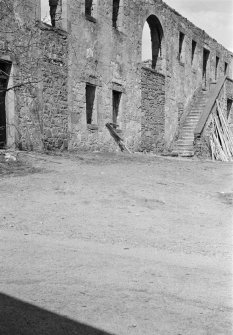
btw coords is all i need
(117, 138)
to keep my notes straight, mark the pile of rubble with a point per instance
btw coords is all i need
(8, 156)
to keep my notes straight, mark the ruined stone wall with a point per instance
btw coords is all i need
(153, 114)
(54, 69)
(109, 59)
(105, 56)
(42, 108)
(38, 80)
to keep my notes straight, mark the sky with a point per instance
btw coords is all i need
(45, 10)
(213, 16)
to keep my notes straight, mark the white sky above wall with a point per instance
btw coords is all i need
(213, 16)
(45, 11)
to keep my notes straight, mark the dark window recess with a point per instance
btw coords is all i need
(90, 99)
(4, 77)
(88, 7)
(194, 44)
(156, 33)
(229, 106)
(3, 86)
(206, 54)
(225, 68)
(116, 98)
(216, 67)
(115, 12)
(181, 42)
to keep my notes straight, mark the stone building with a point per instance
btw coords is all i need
(89, 72)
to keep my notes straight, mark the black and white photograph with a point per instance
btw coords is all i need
(116, 167)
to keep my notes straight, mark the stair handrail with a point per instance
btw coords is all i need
(209, 107)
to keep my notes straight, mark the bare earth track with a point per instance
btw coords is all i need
(115, 244)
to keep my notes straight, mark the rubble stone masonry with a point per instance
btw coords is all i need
(153, 113)
(88, 49)
(106, 56)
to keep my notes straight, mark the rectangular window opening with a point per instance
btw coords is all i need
(194, 44)
(229, 107)
(206, 54)
(90, 100)
(116, 98)
(115, 12)
(216, 67)
(90, 9)
(181, 42)
(225, 68)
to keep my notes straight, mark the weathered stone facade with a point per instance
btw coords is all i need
(114, 56)
(94, 50)
(37, 96)
(152, 110)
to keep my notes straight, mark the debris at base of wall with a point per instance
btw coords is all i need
(113, 132)
(9, 157)
(6, 156)
(221, 139)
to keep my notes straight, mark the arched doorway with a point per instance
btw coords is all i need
(152, 86)
(152, 38)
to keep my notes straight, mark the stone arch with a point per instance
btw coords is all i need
(157, 42)
(153, 88)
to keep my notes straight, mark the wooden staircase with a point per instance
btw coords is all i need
(184, 145)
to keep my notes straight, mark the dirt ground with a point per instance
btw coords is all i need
(116, 244)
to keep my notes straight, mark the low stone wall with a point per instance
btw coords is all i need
(153, 114)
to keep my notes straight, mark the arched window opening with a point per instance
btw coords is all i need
(146, 46)
(151, 43)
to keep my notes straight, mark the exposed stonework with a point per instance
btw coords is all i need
(42, 107)
(55, 90)
(153, 113)
(112, 55)
(38, 59)
(107, 55)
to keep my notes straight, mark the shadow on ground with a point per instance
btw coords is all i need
(21, 318)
